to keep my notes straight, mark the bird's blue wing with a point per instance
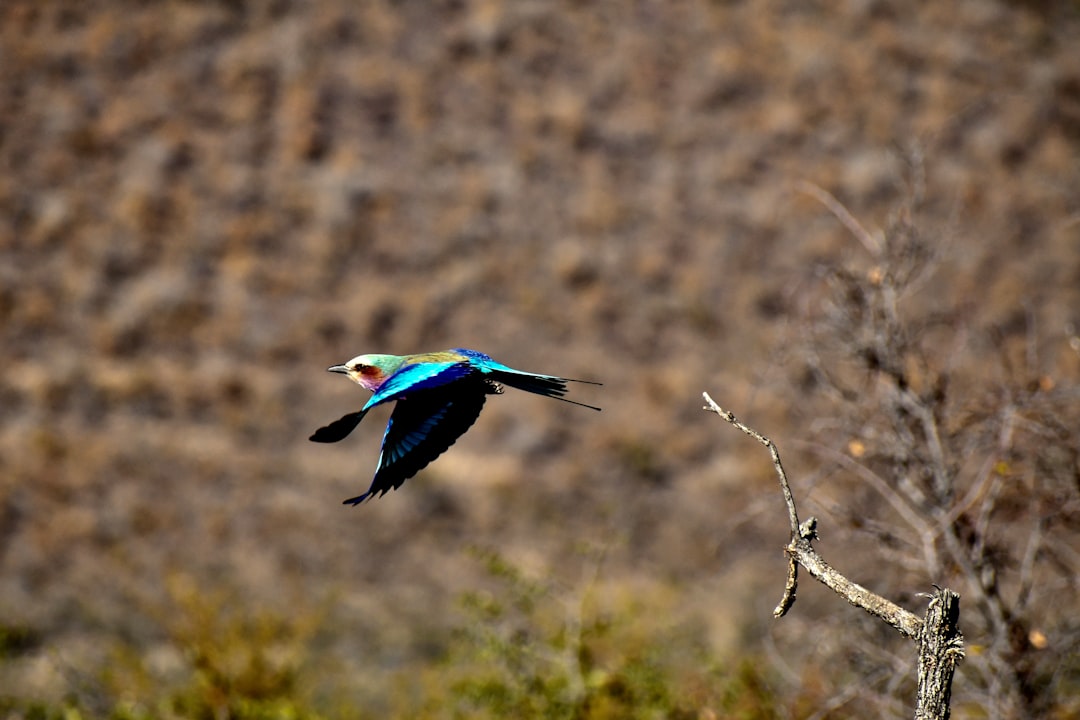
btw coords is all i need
(423, 425)
(421, 376)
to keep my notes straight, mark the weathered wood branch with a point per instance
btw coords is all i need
(941, 645)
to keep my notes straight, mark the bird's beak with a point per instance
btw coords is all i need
(338, 369)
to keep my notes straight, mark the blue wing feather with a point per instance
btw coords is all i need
(422, 427)
(421, 376)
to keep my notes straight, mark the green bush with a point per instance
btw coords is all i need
(531, 650)
(526, 648)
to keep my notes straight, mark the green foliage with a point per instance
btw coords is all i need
(527, 648)
(244, 662)
(531, 650)
(235, 661)
(11, 709)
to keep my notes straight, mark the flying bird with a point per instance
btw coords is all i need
(439, 396)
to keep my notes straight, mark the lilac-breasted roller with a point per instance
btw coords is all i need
(439, 395)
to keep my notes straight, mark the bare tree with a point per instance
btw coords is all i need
(968, 433)
(940, 642)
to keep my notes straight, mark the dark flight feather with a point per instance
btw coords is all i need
(339, 429)
(422, 427)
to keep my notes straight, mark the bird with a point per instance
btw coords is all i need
(439, 395)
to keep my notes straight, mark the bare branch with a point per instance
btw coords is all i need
(941, 645)
(1027, 565)
(871, 243)
(801, 552)
(793, 516)
(902, 503)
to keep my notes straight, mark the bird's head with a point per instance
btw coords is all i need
(369, 371)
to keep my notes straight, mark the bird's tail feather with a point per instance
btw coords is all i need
(546, 385)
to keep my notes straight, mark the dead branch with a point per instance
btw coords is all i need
(941, 645)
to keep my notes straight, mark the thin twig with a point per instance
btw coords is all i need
(871, 243)
(1027, 565)
(793, 516)
(792, 585)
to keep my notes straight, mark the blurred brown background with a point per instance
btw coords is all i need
(203, 205)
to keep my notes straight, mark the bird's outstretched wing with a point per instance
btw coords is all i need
(339, 429)
(423, 425)
(420, 376)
